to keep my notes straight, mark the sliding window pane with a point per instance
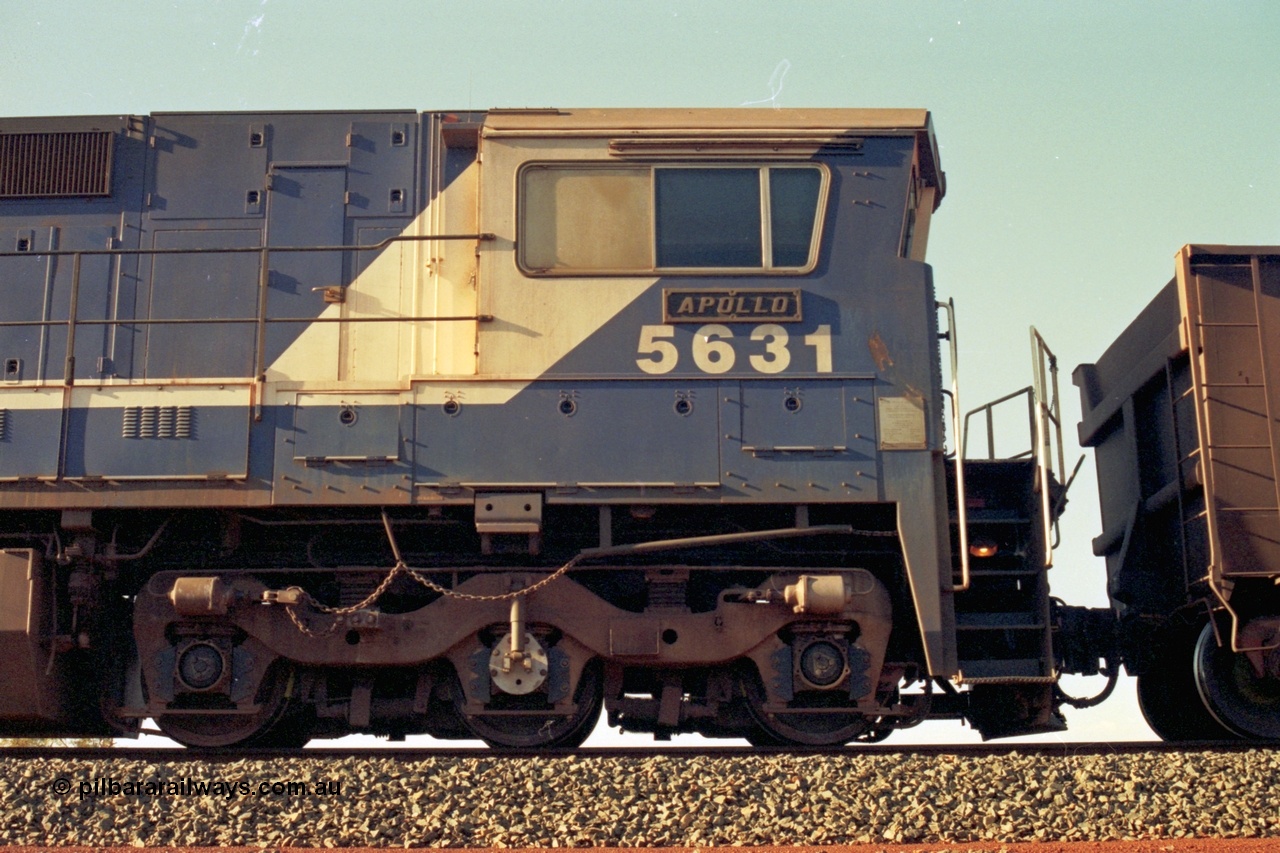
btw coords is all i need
(793, 208)
(586, 219)
(708, 218)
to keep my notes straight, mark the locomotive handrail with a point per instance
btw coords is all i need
(70, 372)
(483, 236)
(989, 409)
(213, 321)
(1048, 431)
(260, 319)
(958, 425)
(1044, 420)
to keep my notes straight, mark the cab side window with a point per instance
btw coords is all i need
(623, 220)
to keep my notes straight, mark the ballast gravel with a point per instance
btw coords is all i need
(641, 801)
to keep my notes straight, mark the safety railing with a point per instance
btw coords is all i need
(260, 319)
(1044, 430)
(959, 427)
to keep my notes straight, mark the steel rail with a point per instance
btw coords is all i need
(161, 755)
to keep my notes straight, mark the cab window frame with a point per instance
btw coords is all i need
(765, 213)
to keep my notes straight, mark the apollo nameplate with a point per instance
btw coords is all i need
(698, 305)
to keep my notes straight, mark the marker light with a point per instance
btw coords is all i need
(983, 548)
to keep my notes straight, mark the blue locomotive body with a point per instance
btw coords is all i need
(476, 423)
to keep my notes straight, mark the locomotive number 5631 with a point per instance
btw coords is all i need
(714, 349)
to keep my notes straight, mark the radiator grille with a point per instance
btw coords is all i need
(55, 165)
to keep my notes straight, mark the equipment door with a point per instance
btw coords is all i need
(40, 349)
(305, 211)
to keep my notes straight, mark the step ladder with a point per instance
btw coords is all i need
(1011, 502)
(1003, 631)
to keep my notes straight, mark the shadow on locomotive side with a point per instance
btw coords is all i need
(481, 424)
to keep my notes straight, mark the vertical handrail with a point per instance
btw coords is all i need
(991, 432)
(46, 309)
(260, 357)
(962, 516)
(70, 377)
(1048, 431)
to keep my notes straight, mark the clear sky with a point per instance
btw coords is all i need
(1084, 142)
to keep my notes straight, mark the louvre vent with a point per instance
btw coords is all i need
(4, 424)
(158, 422)
(55, 165)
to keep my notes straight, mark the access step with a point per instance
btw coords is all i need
(1011, 621)
(996, 670)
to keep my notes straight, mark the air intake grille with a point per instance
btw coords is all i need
(55, 165)
(158, 422)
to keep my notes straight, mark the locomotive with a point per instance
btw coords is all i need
(480, 424)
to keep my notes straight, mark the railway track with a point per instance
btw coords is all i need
(401, 753)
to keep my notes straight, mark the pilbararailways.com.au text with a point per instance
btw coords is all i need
(229, 789)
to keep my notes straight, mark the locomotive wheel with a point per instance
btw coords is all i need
(541, 731)
(276, 723)
(829, 727)
(1169, 699)
(1234, 694)
(291, 731)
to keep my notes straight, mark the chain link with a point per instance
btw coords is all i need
(297, 623)
(402, 568)
(504, 596)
